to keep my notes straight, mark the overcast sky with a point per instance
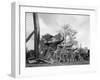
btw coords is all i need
(52, 23)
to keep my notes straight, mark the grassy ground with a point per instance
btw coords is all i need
(56, 64)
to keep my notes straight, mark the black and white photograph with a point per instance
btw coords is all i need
(54, 39)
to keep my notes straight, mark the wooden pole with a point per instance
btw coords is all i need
(37, 34)
(28, 38)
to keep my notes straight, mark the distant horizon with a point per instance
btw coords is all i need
(52, 23)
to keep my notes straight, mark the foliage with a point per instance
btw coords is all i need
(69, 32)
(46, 37)
(61, 53)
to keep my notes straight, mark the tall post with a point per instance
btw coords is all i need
(37, 34)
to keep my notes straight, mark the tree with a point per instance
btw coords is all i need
(43, 47)
(58, 36)
(70, 33)
(46, 37)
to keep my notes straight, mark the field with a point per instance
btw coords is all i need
(60, 64)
